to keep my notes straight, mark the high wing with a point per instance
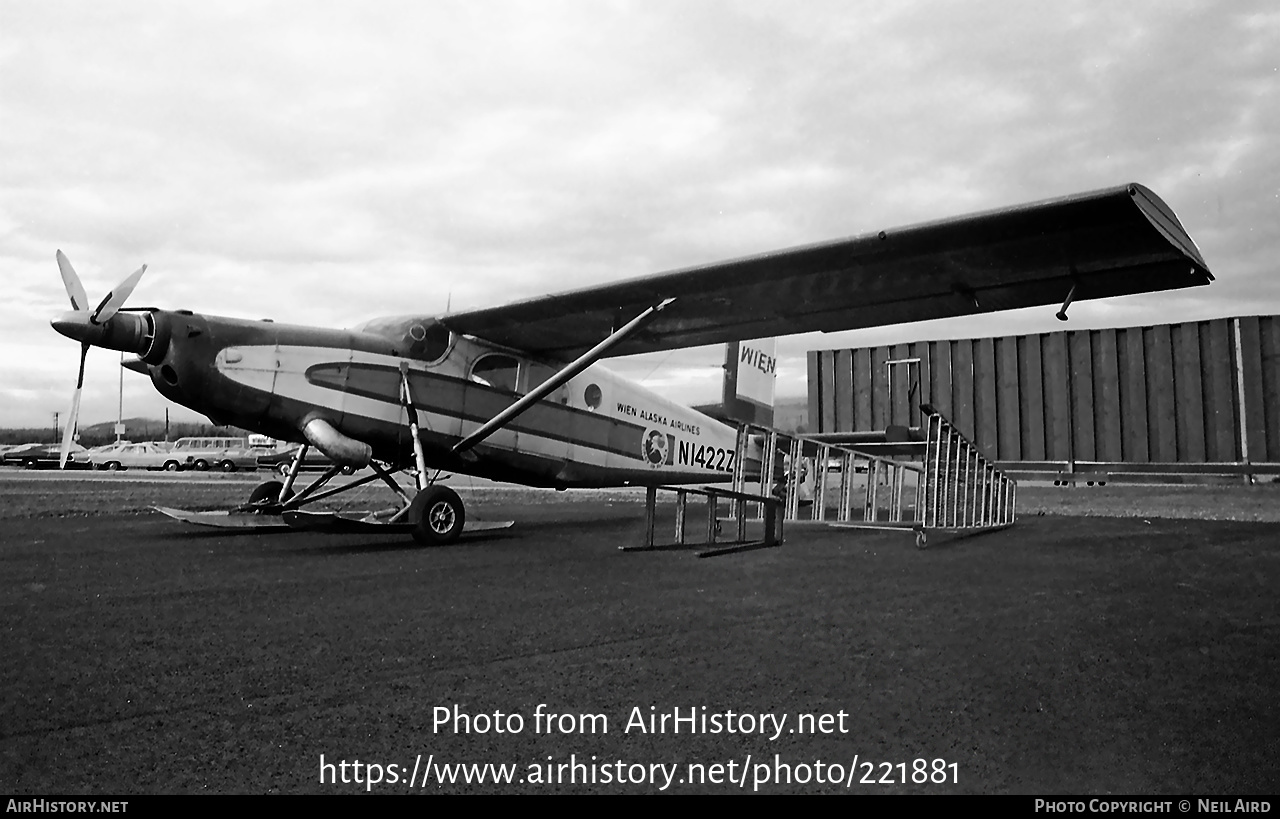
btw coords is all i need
(1111, 242)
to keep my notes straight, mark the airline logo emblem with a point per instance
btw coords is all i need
(654, 446)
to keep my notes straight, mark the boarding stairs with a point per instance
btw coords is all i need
(927, 479)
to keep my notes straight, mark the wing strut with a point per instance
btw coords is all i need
(556, 381)
(1071, 294)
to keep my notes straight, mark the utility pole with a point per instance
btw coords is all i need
(55, 427)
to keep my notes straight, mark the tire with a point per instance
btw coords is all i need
(112, 466)
(227, 466)
(438, 516)
(201, 464)
(265, 494)
(172, 466)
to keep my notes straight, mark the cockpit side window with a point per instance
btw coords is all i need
(536, 374)
(496, 370)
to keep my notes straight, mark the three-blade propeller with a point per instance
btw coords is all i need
(100, 315)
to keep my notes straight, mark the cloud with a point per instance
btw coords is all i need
(331, 162)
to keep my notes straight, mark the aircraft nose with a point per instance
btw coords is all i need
(76, 325)
(129, 332)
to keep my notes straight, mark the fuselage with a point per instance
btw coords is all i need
(598, 429)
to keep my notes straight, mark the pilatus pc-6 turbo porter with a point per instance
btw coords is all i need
(516, 393)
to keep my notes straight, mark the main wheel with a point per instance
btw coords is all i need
(437, 515)
(112, 466)
(267, 494)
(172, 466)
(227, 466)
(201, 464)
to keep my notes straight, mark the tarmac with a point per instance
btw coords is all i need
(1068, 654)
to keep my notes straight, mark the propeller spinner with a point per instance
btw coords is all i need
(90, 327)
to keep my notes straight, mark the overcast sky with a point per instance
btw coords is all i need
(326, 163)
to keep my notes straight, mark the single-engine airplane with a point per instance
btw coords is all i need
(516, 393)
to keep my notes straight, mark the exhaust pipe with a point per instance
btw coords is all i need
(343, 450)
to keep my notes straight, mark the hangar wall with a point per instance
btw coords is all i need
(1196, 392)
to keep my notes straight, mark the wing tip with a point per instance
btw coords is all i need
(1164, 220)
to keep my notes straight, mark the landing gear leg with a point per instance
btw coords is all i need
(436, 511)
(286, 490)
(411, 411)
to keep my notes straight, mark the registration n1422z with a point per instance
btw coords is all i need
(714, 458)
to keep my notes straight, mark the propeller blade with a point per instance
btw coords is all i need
(84, 353)
(79, 301)
(70, 434)
(114, 300)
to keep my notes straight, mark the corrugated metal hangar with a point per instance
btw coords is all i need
(1178, 398)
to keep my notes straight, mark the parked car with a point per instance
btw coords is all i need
(140, 456)
(782, 477)
(229, 460)
(94, 451)
(280, 459)
(227, 453)
(35, 456)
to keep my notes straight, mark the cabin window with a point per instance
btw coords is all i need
(496, 370)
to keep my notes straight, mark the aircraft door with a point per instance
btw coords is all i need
(549, 414)
(344, 404)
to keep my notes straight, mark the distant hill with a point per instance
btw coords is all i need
(791, 414)
(136, 429)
